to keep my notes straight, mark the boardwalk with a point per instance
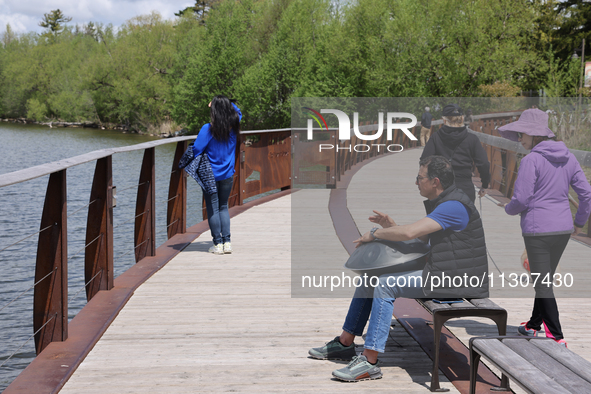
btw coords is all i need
(207, 323)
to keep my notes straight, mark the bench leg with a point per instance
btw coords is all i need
(474, 361)
(501, 322)
(438, 321)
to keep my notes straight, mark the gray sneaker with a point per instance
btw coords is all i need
(333, 350)
(528, 332)
(358, 369)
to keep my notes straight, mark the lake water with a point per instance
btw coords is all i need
(21, 205)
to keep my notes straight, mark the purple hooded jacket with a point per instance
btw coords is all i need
(541, 191)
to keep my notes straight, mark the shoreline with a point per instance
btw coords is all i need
(93, 125)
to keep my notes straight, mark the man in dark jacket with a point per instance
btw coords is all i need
(454, 142)
(458, 251)
(426, 126)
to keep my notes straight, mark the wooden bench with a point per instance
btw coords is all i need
(538, 365)
(475, 307)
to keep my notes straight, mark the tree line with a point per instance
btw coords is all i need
(151, 71)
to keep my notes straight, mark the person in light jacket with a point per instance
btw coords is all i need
(218, 139)
(541, 197)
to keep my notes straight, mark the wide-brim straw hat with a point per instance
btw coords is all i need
(532, 122)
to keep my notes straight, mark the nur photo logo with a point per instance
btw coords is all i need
(393, 122)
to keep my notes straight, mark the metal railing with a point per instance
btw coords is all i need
(269, 155)
(268, 152)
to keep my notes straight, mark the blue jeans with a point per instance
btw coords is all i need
(381, 307)
(218, 215)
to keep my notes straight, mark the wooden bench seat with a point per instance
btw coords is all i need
(538, 365)
(474, 307)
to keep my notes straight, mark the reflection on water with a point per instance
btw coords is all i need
(24, 146)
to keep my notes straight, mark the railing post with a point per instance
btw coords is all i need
(50, 300)
(98, 257)
(145, 221)
(176, 213)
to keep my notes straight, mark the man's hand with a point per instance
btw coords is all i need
(382, 219)
(364, 238)
(577, 231)
(482, 192)
(502, 204)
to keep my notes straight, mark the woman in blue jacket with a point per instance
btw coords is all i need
(218, 139)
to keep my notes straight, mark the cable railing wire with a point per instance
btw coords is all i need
(132, 186)
(35, 284)
(133, 218)
(166, 228)
(27, 341)
(27, 237)
(84, 287)
(85, 206)
(84, 247)
(168, 200)
(132, 250)
(143, 183)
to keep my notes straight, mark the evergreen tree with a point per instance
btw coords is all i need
(199, 11)
(53, 22)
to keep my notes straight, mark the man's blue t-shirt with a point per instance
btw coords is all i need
(451, 215)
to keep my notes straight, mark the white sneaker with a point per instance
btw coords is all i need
(217, 249)
(227, 248)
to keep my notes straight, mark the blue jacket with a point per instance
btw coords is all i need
(426, 119)
(222, 155)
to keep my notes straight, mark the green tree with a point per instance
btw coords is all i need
(54, 23)
(199, 11)
(269, 83)
(137, 68)
(217, 63)
(8, 36)
(575, 18)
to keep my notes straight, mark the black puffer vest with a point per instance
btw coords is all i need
(457, 254)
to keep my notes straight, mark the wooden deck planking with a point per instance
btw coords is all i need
(230, 324)
(207, 323)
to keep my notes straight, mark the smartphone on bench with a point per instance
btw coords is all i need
(448, 300)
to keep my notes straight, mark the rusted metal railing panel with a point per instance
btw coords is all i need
(50, 302)
(510, 172)
(235, 197)
(145, 215)
(271, 157)
(313, 166)
(496, 169)
(176, 213)
(98, 257)
(240, 174)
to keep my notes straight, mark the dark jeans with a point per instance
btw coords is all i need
(218, 216)
(544, 253)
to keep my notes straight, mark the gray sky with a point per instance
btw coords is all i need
(25, 15)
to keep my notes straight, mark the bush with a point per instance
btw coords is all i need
(36, 110)
(499, 89)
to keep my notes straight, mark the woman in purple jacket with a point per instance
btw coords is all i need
(540, 195)
(218, 140)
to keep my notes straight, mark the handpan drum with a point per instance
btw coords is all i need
(388, 257)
